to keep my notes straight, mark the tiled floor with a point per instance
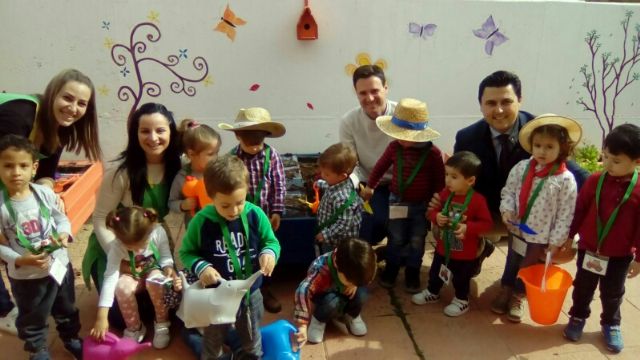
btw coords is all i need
(400, 330)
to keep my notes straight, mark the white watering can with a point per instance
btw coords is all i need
(201, 307)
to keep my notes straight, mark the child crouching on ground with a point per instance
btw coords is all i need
(335, 288)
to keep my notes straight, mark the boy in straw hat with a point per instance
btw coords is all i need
(418, 173)
(537, 203)
(267, 185)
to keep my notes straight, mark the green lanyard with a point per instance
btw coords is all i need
(402, 186)
(148, 266)
(334, 273)
(231, 250)
(603, 232)
(536, 191)
(255, 198)
(448, 232)
(336, 214)
(46, 216)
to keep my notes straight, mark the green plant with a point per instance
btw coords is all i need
(588, 157)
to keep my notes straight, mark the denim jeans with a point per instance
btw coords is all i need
(332, 305)
(611, 289)
(193, 339)
(6, 304)
(515, 262)
(373, 228)
(407, 233)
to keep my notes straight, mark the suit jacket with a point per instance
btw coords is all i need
(477, 139)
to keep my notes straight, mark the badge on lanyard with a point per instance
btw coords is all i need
(594, 263)
(397, 211)
(445, 274)
(518, 245)
(59, 268)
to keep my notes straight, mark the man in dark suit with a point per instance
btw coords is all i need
(494, 139)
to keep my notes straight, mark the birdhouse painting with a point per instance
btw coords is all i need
(307, 27)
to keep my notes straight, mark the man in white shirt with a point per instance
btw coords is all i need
(358, 129)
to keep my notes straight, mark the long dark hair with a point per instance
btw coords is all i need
(133, 157)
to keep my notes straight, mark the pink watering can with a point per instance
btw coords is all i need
(111, 348)
(276, 341)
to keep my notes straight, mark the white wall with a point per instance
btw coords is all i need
(545, 48)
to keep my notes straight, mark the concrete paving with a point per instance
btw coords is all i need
(399, 329)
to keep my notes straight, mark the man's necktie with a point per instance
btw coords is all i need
(505, 151)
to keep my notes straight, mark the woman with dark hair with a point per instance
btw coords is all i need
(63, 118)
(143, 177)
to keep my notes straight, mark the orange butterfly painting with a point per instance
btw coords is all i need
(228, 23)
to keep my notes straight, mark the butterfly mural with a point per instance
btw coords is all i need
(491, 33)
(423, 31)
(228, 23)
(106, 25)
(182, 53)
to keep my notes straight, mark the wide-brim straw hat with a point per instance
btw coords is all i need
(573, 128)
(410, 122)
(255, 118)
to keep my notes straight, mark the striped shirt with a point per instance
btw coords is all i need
(274, 189)
(318, 281)
(347, 224)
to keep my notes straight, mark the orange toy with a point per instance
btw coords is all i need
(194, 188)
(313, 205)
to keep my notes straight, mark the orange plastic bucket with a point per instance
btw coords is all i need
(545, 307)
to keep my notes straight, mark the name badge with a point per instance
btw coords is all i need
(597, 264)
(518, 245)
(397, 211)
(444, 274)
(58, 270)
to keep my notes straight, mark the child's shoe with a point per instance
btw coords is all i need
(457, 307)
(74, 347)
(412, 280)
(136, 335)
(315, 331)
(425, 297)
(500, 303)
(574, 328)
(8, 322)
(161, 335)
(42, 354)
(516, 308)
(613, 337)
(388, 277)
(356, 325)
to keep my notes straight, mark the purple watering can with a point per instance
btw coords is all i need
(276, 341)
(111, 348)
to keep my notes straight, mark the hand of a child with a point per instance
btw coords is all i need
(28, 259)
(63, 240)
(319, 237)
(188, 204)
(350, 291)
(169, 272)
(507, 218)
(177, 283)
(100, 328)
(275, 221)
(366, 193)
(460, 231)
(442, 220)
(267, 263)
(435, 202)
(209, 276)
(634, 269)
(301, 337)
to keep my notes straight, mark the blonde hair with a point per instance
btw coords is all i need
(225, 175)
(131, 225)
(195, 136)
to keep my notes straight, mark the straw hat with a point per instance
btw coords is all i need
(255, 119)
(409, 122)
(573, 128)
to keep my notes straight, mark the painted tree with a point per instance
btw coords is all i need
(607, 76)
(121, 54)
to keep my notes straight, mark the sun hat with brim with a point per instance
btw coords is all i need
(410, 122)
(573, 128)
(255, 119)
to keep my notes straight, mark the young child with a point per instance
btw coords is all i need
(267, 182)
(200, 144)
(460, 221)
(607, 220)
(34, 235)
(340, 210)
(231, 240)
(335, 287)
(140, 254)
(418, 173)
(537, 203)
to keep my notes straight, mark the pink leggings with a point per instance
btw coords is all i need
(126, 295)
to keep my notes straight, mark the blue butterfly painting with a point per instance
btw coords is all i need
(423, 31)
(182, 53)
(490, 32)
(106, 25)
(124, 72)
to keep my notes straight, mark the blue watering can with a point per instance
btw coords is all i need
(276, 341)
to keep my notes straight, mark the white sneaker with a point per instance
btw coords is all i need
(356, 325)
(457, 307)
(424, 297)
(8, 323)
(136, 335)
(315, 331)
(161, 335)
